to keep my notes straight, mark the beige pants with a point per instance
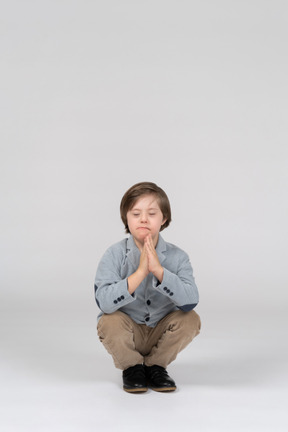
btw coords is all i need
(130, 343)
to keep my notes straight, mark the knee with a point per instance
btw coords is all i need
(112, 324)
(188, 323)
(193, 322)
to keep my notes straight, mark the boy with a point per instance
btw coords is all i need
(146, 291)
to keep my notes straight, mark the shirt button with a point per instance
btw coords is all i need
(119, 299)
(115, 301)
(171, 293)
(165, 288)
(148, 302)
(122, 297)
(147, 319)
(168, 291)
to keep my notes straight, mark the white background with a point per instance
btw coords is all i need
(96, 96)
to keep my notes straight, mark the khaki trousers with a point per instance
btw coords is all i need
(130, 343)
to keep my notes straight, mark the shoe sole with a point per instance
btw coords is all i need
(164, 389)
(136, 390)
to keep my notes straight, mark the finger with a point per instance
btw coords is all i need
(150, 241)
(147, 239)
(149, 247)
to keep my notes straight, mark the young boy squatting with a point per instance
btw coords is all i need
(146, 292)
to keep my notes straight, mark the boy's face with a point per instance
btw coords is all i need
(145, 218)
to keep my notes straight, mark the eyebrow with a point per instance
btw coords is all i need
(150, 208)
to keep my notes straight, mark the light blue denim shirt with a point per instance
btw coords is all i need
(152, 300)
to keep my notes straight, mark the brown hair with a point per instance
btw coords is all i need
(145, 188)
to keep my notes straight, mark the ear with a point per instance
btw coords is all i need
(163, 222)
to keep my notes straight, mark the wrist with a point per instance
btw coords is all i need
(159, 273)
(142, 273)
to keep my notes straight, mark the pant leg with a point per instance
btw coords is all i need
(122, 337)
(171, 335)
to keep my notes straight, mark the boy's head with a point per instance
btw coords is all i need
(139, 190)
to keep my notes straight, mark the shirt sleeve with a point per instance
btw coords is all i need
(111, 291)
(179, 285)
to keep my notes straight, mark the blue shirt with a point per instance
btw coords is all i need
(152, 300)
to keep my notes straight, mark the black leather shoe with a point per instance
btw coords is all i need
(158, 379)
(134, 379)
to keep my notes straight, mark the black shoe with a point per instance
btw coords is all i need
(158, 379)
(134, 379)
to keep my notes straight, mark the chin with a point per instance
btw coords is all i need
(140, 235)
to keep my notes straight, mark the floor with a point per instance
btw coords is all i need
(58, 377)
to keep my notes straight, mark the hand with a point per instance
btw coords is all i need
(143, 263)
(154, 265)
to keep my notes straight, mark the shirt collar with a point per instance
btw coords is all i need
(161, 244)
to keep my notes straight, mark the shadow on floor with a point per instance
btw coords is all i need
(75, 354)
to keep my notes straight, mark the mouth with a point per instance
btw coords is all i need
(143, 228)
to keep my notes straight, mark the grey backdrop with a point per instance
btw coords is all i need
(96, 96)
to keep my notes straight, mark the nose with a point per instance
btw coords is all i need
(143, 218)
